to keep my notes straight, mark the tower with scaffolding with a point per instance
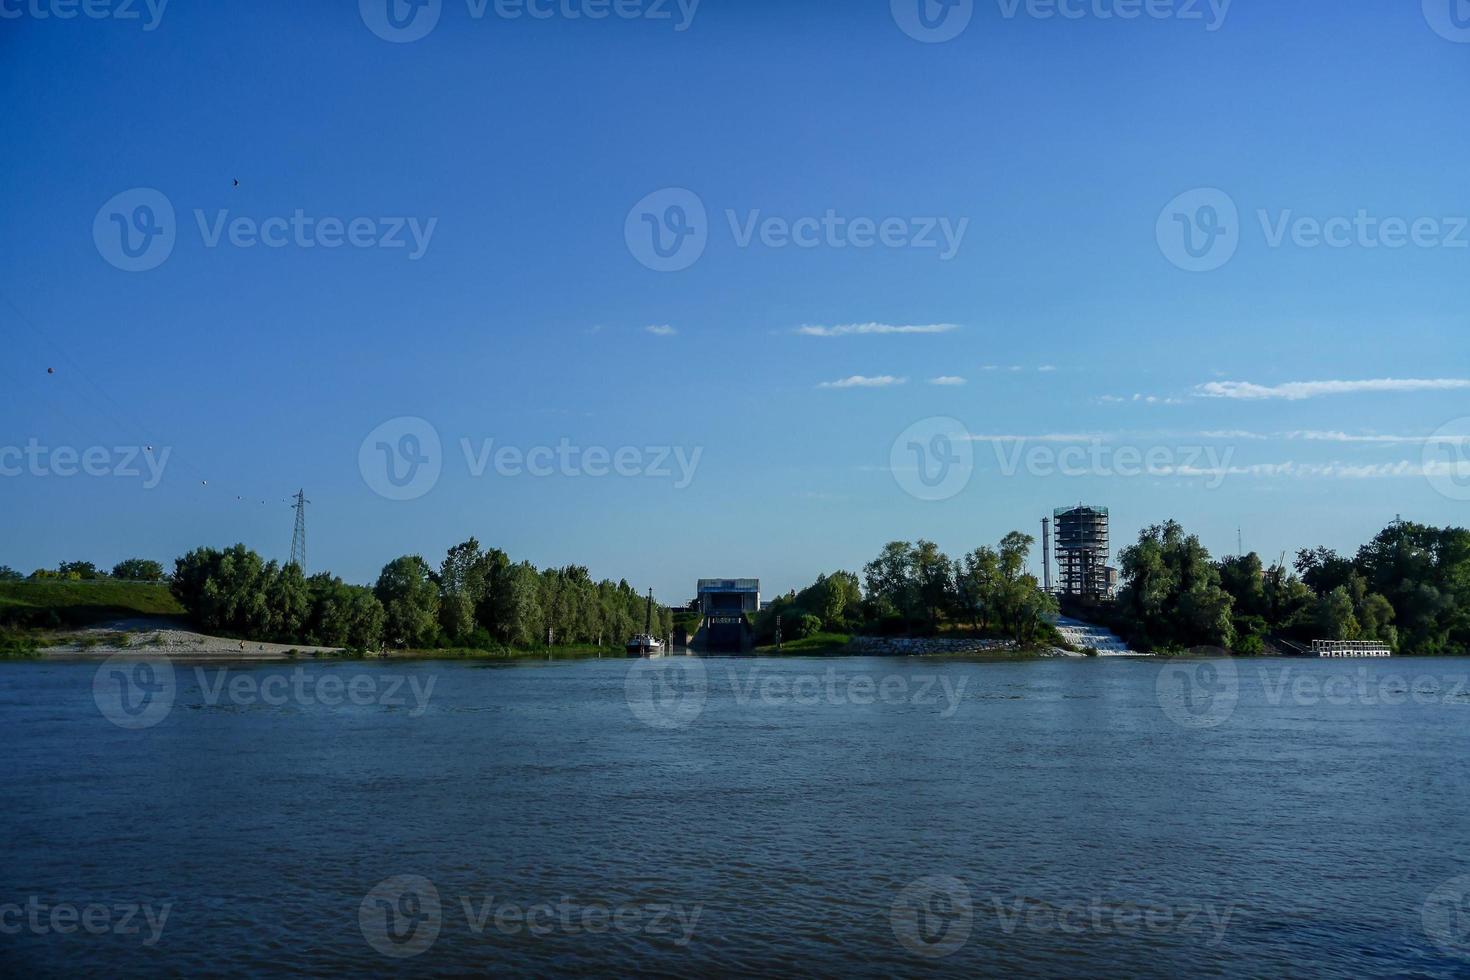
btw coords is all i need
(1082, 550)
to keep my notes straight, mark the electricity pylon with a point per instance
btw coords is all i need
(298, 536)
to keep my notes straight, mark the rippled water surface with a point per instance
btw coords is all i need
(832, 817)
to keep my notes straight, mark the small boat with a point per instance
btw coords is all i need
(645, 644)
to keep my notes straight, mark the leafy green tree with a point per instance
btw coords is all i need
(464, 583)
(1335, 619)
(8, 574)
(1322, 569)
(342, 615)
(1289, 603)
(225, 591)
(289, 603)
(79, 570)
(1171, 595)
(138, 570)
(524, 624)
(933, 584)
(977, 586)
(410, 599)
(890, 582)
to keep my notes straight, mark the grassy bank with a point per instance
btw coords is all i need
(50, 603)
(809, 646)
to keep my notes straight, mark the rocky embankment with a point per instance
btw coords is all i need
(902, 646)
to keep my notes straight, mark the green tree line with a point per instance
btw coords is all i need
(477, 598)
(132, 570)
(1409, 588)
(916, 589)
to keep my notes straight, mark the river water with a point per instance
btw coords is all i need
(682, 816)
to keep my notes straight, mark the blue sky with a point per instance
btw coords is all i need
(521, 149)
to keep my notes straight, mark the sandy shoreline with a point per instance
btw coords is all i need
(151, 638)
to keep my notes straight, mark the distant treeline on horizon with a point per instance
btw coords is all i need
(1409, 587)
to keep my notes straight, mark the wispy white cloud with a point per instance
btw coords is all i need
(1232, 434)
(947, 379)
(661, 330)
(1334, 470)
(1354, 438)
(1297, 390)
(861, 381)
(1049, 437)
(852, 329)
(1141, 399)
(1047, 368)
